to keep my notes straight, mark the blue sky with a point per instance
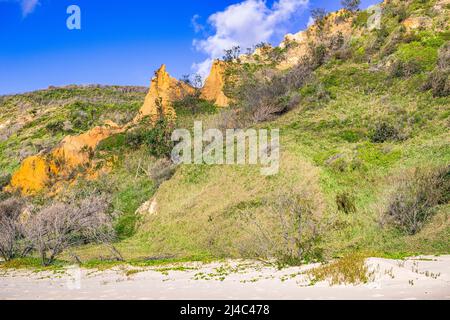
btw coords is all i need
(123, 42)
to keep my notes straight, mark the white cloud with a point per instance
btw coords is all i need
(28, 6)
(245, 24)
(197, 26)
(310, 22)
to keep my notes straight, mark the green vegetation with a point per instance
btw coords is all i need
(363, 169)
(350, 269)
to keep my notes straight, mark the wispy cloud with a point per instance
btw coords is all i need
(245, 24)
(196, 25)
(26, 6)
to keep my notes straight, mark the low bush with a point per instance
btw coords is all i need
(11, 229)
(4, 180)
(383, 132)
(162, 170)
(345, 202)
(292, 231)
(114, 143)
(417, 193)
(263, 95)
(158, 139)
(350, 269)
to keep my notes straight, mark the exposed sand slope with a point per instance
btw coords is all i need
(414, 278)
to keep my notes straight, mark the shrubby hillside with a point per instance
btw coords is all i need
(363, 113)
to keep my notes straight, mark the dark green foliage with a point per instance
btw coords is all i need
(125, 225)
(116, 142)
(318, 55)
(417, 194)
(158, 139)
(400, 68)
(383, 132)
(351, 136)
(4, 180)
(361, 19)
(193, 105)
(345, 202)
(83, 115)
(55, 126)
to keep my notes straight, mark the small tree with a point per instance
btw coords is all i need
(232, 54)
(318, 14)
(63, 225)
(11, 230)
(158, 138)
(351, 5)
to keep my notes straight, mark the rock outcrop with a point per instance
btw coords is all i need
(40, 171)
(163, 91)
(298, 45)
(213, 88)
(417, 23)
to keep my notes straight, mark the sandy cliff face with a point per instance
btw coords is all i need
(163, 91)
(297, 45)
(40, 171)
(213, 88)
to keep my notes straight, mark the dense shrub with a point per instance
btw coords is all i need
(158, 138)
(83, 115)
(345, 202)
(192, 105)
(415, 57)
(417, 193)
(162, 170)
(383, 132)
(4, 180)
(265, 94)
(55, 127)
(155, 137)
(113, 143)
(401, 68)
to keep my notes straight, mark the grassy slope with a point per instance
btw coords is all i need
(200, 207)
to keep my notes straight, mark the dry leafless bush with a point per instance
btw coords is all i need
(62, 225)
(264, 95)
(162, 170)
(11, 228)
(288, 229)
(417, 193)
